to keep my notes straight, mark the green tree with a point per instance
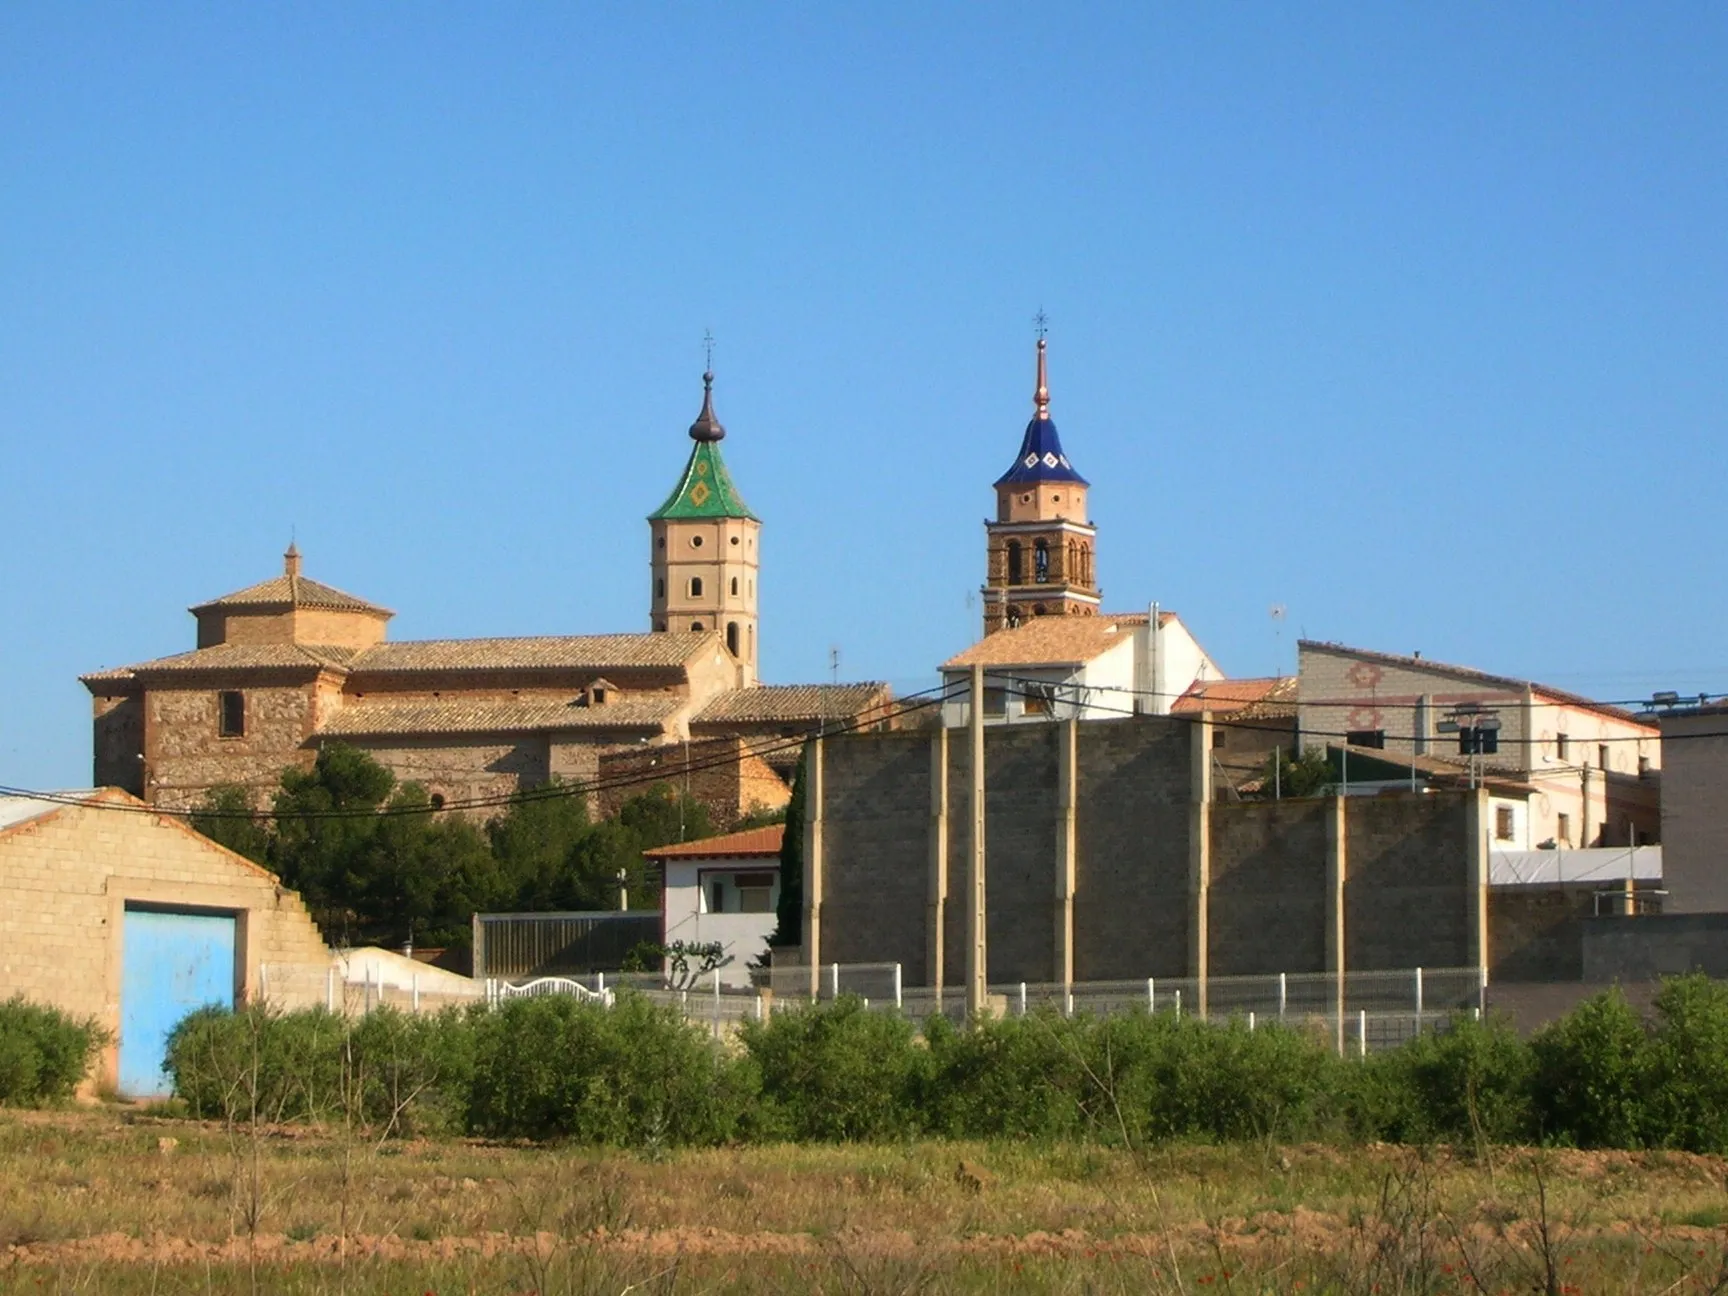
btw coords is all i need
(535, 842)
(326, 820)
(226, 817)
(660, 817)
(789, 915)
(1304, 776)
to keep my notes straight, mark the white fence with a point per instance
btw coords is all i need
(1358, 1012)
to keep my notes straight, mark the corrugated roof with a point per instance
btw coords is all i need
(1545, 692)
(759, 842)
(584, 652)
(789, 703)
(382, 718)
(293, 591)
(1050, 641)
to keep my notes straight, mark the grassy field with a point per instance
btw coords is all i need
(116, 1201)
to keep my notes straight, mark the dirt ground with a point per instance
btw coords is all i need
(114, 1199)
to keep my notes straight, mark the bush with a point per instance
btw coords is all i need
(1019, 1077)
(1470, 1083)
(258, 1064)
(1689, 1066)
(837, 1072)
(44, 1053)
(633, 1075)
(1592, 1075)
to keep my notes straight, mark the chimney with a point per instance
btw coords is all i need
(291, 560)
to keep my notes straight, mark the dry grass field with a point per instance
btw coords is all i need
(119, 1201)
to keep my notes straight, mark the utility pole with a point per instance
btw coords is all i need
(977, 966)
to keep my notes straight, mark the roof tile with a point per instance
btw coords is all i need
(383, 718)
(752, 841)
(790, 703)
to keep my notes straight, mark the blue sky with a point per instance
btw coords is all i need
(1410, 319)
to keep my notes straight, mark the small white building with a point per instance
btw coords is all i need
(1079, 667)
(722, 889)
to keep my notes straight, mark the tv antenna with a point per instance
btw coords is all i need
(1278, 612)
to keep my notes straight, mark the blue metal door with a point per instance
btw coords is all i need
(171, 964)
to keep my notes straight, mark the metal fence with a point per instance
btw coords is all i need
(559, 944)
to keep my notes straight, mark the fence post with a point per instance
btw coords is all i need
(898, 1004)
(1068, 1000)
(1250, 1021)
(330, 988)
(1151, 996)
(716, 1003)
(600, 985)
(1178, 1003)
(1022, 998)
(1418, 1001)
(1362, 1033)
(833, 980)
(414, 991)
(1283, 994)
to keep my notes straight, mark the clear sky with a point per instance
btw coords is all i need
(1410, 319)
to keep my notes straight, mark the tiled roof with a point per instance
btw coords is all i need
(293, 591)
(230, 657)
(1041, 458)
(1239, 697)
(1049, 641)
(768, 703)
(583, 652)
(705, 490)
(380, 718)
(758, 842)
(1472, 675)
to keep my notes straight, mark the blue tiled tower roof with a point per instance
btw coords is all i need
(1041, 458)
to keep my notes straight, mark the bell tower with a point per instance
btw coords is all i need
(703, 558)
(1039, 559)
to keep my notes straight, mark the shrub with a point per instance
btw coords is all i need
(1689, 1066)
(1592, 1075)
(1020, 1077)
(44, 1052)
(633, 1075)
(257, 1063)
(1469, 1083)
(837, 1072)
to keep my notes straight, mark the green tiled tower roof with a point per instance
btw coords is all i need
(705, 490)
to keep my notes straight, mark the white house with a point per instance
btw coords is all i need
(1079, 667)
(722, 889)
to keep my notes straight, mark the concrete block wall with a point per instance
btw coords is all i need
(1269, 901)
(1020, 853)
(1411, 883)
(65, 880)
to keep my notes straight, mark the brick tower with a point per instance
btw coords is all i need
(1040, 547)
(704, 555)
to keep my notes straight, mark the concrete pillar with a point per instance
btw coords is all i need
(1337, 873)
(1479, 819)
(814, 797)
(977, 962)
(1200, 854)
(934, 952)
(1067, 795)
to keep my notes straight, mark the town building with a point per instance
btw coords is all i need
(1694, 820)
(289, 664)
(114, 913)
(1592, 770)
(1079, 667)
(1040, 548)
(722, 890)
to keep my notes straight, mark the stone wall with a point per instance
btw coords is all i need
(185, 755)
(1694, 825)
(723, 774)
(1269, 901)
(119, 741)
(65, 880)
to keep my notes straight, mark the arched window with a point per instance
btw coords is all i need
(1015, 575)
(732, 637)
(660, 588)
(695, 587)
(695, 627)
(734, 584)
(1041, 562)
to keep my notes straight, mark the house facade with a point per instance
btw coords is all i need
(722, 890)
(1592, 770)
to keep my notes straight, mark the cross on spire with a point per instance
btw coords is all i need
(708, 350)
(1041, 324)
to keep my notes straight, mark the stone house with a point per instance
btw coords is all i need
(111, 912)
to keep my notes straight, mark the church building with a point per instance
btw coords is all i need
(290, 663)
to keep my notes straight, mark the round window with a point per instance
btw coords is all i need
(734, 539)
(695, 542)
